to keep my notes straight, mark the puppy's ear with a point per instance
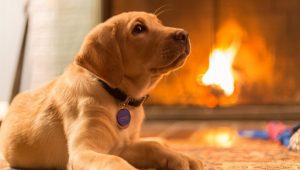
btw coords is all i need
(100, 54)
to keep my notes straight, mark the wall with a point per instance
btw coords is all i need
(12, 23)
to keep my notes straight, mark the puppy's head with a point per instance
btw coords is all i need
(131, 45)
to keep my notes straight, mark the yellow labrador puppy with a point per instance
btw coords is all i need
(90, 116)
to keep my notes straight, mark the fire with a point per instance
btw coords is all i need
(220, 73)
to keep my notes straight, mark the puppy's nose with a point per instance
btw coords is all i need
(181, 36)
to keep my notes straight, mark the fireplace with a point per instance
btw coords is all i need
(243, 64)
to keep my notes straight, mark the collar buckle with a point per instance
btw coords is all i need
(126, 102)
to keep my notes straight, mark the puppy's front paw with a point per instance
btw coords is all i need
(178, 161)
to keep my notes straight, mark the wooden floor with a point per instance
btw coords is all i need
(218, 146)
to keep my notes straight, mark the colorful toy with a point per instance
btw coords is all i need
(277, 131)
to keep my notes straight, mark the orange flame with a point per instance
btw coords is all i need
(220, 71)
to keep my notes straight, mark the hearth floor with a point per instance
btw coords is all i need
(216, 144)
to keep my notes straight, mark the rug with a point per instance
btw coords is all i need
(219, 147)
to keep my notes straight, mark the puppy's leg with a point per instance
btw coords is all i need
(88, 159)
(148, 154)
(90, 140)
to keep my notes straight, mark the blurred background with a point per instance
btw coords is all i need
(244, 62)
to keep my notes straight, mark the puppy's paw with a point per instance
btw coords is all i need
(178, 161)
(195, 164)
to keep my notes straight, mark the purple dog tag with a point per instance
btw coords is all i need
(123, 118)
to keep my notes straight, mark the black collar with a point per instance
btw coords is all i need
(122, 96)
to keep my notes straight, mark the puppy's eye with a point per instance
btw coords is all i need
(138, 28)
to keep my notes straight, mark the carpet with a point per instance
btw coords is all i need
(219, 147)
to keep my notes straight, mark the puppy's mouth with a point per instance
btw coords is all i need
(174, 64)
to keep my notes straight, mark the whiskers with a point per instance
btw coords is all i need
(162, 9)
